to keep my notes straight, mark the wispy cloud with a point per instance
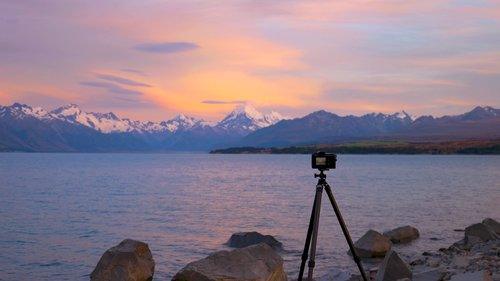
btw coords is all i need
(135, 71)
(111, 88)
(166, 47)
(121, 80)
(223, 102)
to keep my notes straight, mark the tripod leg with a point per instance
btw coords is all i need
(345, 231)
(308, 241)
(314, 238)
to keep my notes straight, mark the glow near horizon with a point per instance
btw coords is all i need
(154, 59)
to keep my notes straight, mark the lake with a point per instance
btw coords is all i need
(60, 212)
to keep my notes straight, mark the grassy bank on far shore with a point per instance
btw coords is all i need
(378, 147)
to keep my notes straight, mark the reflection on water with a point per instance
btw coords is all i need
(60, 212)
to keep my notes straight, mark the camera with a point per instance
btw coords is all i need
(323, 161)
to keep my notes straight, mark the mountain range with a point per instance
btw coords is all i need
(69, 129)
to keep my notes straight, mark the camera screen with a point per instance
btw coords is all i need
(320, 161)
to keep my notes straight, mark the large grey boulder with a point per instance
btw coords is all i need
(492, 224)
(472, 276)
(372, 244)
(402, 234)
(130, 260)
(393, 268)
(254, 263)
(245, 239)
(479, 232)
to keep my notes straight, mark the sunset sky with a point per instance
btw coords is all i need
(152, 59)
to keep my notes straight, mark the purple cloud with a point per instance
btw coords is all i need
(166, 47)
(135, 71)
(111, 88)
(121, 80)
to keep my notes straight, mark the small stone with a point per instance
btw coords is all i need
(130, 260)
(402, 234)
(372, 244)
(433, 262)
(393, 268)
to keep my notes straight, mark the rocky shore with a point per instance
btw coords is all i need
(256, 258)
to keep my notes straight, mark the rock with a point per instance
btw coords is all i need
(130, 260)
(257, 263)
(431, 275)
(402, 234)
(245, 239)
(433, 262)
(460, 261)
(335, 274)
(492, 224)
(479, 231)
(482, 275)
(393, 268)
(372, 244)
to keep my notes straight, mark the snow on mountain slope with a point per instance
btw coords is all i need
(182, 123)
(103, 122)
(110, 123)
(22, 111)
(246, 118)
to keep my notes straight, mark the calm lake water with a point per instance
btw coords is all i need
(60, 212)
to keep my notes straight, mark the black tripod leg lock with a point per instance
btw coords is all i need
(311, 263)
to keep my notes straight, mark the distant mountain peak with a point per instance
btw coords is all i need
(181, 122)
(247, 110)
(245, 118)
(67, 110)
(402, 115)
(23, 110)
(480, 112)
(321, 114)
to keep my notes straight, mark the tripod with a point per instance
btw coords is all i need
(312, 230)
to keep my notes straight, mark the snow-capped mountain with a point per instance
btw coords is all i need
(245, 118)
(110, 123)
(69, 128)
(241, 121)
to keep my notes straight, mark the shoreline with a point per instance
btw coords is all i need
(475, 147)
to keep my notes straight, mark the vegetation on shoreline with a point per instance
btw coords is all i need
(378, 147)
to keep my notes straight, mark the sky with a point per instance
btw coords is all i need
(152, 59)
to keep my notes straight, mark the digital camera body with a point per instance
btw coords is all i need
(323, 161)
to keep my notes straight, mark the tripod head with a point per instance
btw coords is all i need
(321, 175)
